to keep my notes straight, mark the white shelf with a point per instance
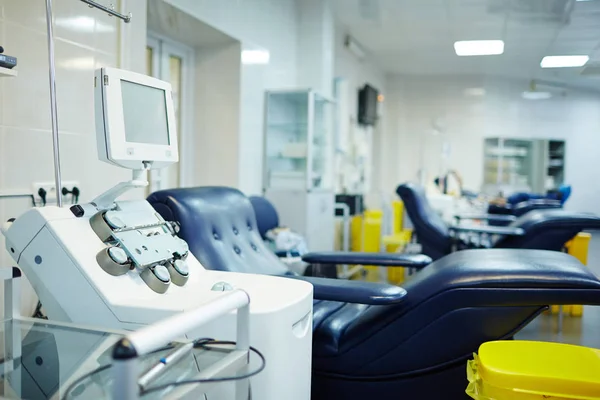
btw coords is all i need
(5, 72)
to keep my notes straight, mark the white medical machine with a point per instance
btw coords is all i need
(53, 360)
(118, 264)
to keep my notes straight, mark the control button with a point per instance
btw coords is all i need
(118, 255)
(182, 267)
(113, 220)
(221, 287)
(77, 210)
(162, 273)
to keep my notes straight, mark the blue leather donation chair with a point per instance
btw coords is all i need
(379, 341)
(540, 230)
(266, 215)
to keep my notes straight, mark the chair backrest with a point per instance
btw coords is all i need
(431, 230)
(548, 229)
(219, 225)
(266, 214)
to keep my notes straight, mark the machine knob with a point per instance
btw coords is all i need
(101, 227)
(221, 287)
(179, 272)
(113, 220)
(113, 260)
(157, 278)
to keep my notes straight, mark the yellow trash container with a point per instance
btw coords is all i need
(578, 248)
(371, 233)
(526, 370)
(366, 236)
(394, 244)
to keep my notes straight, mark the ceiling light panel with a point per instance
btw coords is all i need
(479, 47)
(564, 61)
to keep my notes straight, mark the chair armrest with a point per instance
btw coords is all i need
(354, 291)
(490, 230)
(538, 204)
(487, 217)
(362, 258)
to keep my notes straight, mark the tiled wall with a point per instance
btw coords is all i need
(416, 104)
(85, 40)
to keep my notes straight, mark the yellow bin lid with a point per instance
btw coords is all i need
(541, 368)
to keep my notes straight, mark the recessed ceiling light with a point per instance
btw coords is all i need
(535, 95)
(479, 47)
(251, 57)
(476, 91)
(563, 61)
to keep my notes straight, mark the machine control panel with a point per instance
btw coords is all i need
(144, 242)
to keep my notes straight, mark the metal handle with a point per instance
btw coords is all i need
(109, 10)
(153, 337)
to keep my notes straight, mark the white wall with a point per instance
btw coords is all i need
(216, 116)
(316, 48)
(85, 39)
(357, 73)
(416, 105)
(268, 25)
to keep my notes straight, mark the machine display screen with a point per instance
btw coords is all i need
(145, 114)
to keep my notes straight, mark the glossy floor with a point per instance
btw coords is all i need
(584, 330)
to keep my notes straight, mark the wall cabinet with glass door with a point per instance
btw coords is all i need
(298, 162)
(522, 165)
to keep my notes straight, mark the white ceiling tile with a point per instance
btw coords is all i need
(416, 36)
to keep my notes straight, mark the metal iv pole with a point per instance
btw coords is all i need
(52, 77)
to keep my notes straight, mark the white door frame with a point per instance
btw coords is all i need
(159, 43)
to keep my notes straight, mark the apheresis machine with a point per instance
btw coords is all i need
(117, 264)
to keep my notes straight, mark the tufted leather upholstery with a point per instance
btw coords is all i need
(266, 214)
(220, 228)
(547, 229)
(416, 348)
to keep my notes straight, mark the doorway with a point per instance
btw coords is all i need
(173, 62)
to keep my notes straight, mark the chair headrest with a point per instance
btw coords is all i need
(219, 225)
(266, 214)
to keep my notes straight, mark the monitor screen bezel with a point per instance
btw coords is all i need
(118, 150)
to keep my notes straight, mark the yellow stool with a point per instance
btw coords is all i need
(523, 370)
(578, 248)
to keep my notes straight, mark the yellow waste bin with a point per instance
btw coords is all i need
(366, 236)
(527, 370)
(578, 248)
(395, 244)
